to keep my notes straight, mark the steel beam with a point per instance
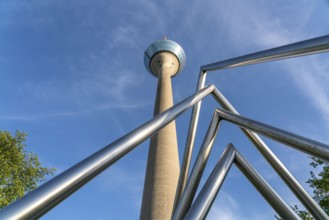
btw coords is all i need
(306, 145)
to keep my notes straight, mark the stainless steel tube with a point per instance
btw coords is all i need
(198, 168)
(277, 165)
(277, 203)
(306, 145)
(189, 142)
(207, 195)
(48, 195)
(315, 45)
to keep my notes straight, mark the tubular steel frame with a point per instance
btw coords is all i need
(207, 195)
(48, 195)
(311, 46)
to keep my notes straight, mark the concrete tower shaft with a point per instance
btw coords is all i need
(163, 161)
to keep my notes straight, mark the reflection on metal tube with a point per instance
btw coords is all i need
(311, 46)
(198, 168)
(189, 142)
(207, 195)
(277, 203)
(306, 145)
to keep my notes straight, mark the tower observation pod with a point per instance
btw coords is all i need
(164, 59)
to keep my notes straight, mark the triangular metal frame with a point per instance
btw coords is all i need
(307, 47)
(199, 209)
(209, 191)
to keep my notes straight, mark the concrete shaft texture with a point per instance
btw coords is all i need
(162, 170)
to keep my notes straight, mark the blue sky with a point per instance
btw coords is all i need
(73, 78)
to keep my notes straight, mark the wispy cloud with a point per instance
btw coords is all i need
(77, 113)
(264, 29)
(93, 76)
(312, 78)
(15, 118)
(92, 86)
(81, 97)
(129, 181)
(227, 208)
(124, 36)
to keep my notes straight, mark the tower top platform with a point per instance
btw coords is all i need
(164, 46)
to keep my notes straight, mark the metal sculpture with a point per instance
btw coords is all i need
(41, 200)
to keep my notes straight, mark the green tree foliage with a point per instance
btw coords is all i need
(320, 185)
(305, 215)
(20, 171)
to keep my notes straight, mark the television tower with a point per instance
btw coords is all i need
(164, 59)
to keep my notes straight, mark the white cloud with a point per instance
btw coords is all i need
(80, 97)
(15, 118)
(226, 211)
(229, 209)
(129, 181)
(124, 36)
(75, 113)
(312, 78)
